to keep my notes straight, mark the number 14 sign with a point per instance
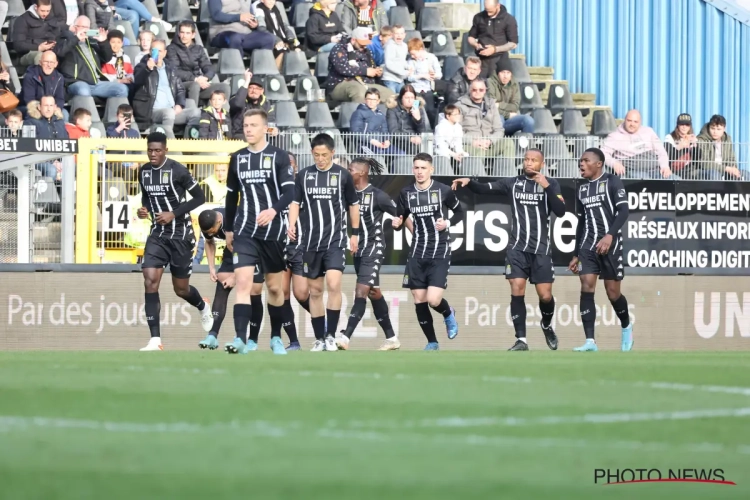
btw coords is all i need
(115, 216)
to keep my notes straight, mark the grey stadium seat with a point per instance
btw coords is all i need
(262, 62)
(318, 116)
(85, 102)
(230, 62)
(400, 15)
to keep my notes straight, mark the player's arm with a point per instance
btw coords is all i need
(385, 203)
(352, 200)
(232, 199)
(555, 200)
(452, 202)
(294, 206)
(622, 211)
(185, 179)
(143, 211)
(402, 210)
(285, 176)
(573, 266)
(210, 247)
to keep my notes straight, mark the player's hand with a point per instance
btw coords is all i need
(463, 182)
(212, 274)
(353, 243)
(292, 233)
(619, 168)
(397, 221)
(265, 217)
(666, 172)
(229, 282)
(441, 224)
(229, 240)
(541, 180)
(143, 213)
(573, 266)
(164, 218)
(603, 246)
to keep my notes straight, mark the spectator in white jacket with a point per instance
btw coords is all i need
(424, 69)
(396, 69)
(449, 136)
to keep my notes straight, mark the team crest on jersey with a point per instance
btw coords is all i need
(406, 279)
(367, 199)
(267, 162)
(433, 198)
(165, 178)
(583, 188)
(334, 179)
(507, 269)
(520, 183)
(602, 187)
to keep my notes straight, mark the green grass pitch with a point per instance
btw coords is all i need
(368, 425)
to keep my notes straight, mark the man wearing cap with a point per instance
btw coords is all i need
(505, 90)
(249, 96)
(352, 70)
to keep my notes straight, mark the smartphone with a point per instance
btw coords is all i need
(92, 33)
(155, 55)
(415, 105)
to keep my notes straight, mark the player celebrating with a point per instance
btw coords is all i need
(602, 211)
(373, 203)
(534, 199)
(164, 183)
(429, 262)
(262, 174)
(327, 191)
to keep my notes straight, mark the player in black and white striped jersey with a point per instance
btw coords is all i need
(534, 198)
(428, 203)
(163, 184)
(261, 180)
(602, 210)
(373, 204)
(326, 192)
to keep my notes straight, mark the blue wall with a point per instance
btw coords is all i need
(662, 57)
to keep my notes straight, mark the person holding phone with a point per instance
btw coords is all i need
(34, 32)
(406, 120)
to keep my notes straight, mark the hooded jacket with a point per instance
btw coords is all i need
(368, 122)
(622, 145)
(37, 85)
(146, 82)
(349, 15)
(188, 62)
(319, 29)
(508, 96)
(239, 103)
(707, 152)
(46, 128)
(30, 31)
(489, 126)
(213, 125)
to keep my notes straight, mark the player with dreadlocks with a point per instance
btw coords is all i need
(373, 203)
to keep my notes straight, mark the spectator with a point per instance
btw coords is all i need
(134, 12)
(34, 32)
(123, 128)
(46, 118)
(14, 124)
(191, 64)
(636, 149)
(145, 39)
(371, 126)
(215, 185)
(81, 125)
(233, 26)
(716, 151)
(160, 96)
(493, 34)
(396, 69)
(214, 122)
(378, 42)
(82, 66)
(414, 6)
(323, 28)
(482, 124)
(406, 121)
(5, 82)
(44, 79)
(362, 14)
(268, 11)
(449, 136)
(99, 12)
(505, 90)
(682, 146)
(351, 69)
(461, 81)
(424, 70)
(119, 68)
(248, 97)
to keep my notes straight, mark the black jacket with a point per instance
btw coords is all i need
(146, 82)
(498, 31)
(319, 29)
(238, 104)
(37, 85)
(30, 31)
(76, 68)
(188, 62)
(400, 121)
(458, 87)
(213, 128)
(48, 129)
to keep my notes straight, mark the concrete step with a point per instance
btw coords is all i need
(541, 73)
(582, 99)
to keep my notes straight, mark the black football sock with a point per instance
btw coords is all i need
(548, 310)
(256, 318)
(289, 326)
(443, 308)
(153, 308)
(242, 313)
(358, 310)
(332, 317)
(319, 327)
(380, 308)
(219, 308)
(305, 304)
(518, 315)
(424, 316)
(621, 310)
(588, 313)
(194, 298)
(276, 313)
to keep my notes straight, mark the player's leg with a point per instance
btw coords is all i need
(243, 310)
(299, 281)
(151, 279)
(620, 305)
(256, 316)
(317, 312)
(361, 290)
(437, 282)
(218, 310)
(275, 299)
(333, 307)
(588, 272)
(181, 267)
(424, 317)
(543, 276)
(518, 311)
(290, 327)
(380, 309)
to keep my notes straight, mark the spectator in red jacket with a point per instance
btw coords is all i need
(81, 124)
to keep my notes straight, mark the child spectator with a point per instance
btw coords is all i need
(144, 41)
(214, 122)
(378, 44)
(449, 135)
(119, 68)
(81, 124)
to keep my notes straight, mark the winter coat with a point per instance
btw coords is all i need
(459, 87)
(368, 124)
(402, 124)
(30, 31)
(319, 29)
(188, 62)
(35, 87)
(75, 67)
(52, 128)
(707, 152)
(146, 81)
(489, 126)
(349, 15)
(238, 104)
(214, 126)
(508, 96)
(340, 69)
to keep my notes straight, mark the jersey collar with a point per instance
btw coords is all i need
(425, 189)
(360, 190)
(594, 180)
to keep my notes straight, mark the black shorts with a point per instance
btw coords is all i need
(177, 253)
(608, 267)
(227, 266)
(266, 254)
(294, 259)
(530, 266)
(315, 264)
(367, 268)
(422, 273)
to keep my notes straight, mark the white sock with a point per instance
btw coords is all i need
(155, 339)
(523, 339)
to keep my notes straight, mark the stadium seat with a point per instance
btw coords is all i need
(402, 165)
(235, 83)
(85, 102)
(559, 100)
(556, 155)
(523, 142)
(126, 29)
(230, 62)
(294, 65)
(45, 191)
(262, 62)
(519, 70)
(98, 130)
(321, 65)
(287, 116)
(442, 166)
(400, 15)
(318, 116)
(442, 44)
(471, 167)
(5, 55)
(603, 123)
(114, 189)
(297, 141)
(430, 21)
(572, 123)
(157, 29)
(204, 15)
(451, 66)
(132, 52)
(301, 15)
(305, 83)
(466, 49)
(15, 8)
(346, 110)
(530, 98)
(11, 23)
(544, 124)
(412, 34)
(110, 109)
(151, 7)
(275, 88)
(199, 41)
(176, 11)
(13, 74)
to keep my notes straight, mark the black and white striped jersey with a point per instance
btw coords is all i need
(324, 197)
(426, 206)
(531, 209)
(163, 189)
(258, 177)
(373, 203)
(598, 201)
